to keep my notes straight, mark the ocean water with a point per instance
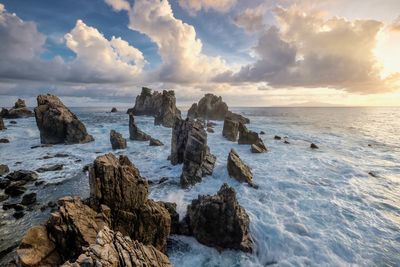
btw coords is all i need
(312, 208)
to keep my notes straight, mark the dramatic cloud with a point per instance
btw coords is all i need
(194, 6)
(309, 51)
(251, 19)
(396, 25)
(178, 46)
(119, 5)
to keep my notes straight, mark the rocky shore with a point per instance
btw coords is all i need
(19, 110)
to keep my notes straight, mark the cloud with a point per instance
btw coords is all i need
(309, 51)
(251, 19)
(178, 45)
(395, 26)
(193, 6)
(119, 5)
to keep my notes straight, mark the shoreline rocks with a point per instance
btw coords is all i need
(57, 124)
(117, 140)
(20, 110)
(231, 129)
(134, 132)
(155, 142)
(238, 170)
(2, 126)
(113, 110)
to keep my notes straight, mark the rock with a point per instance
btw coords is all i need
(57, 124)
(134, 132)
(20, 103)
(114, 109)
(2, 126)
(36, 249)
(313, 146)
(237, 117)
(15, 189)
(4, 141)
(155, 142)
(13, 122)
(3, 197)
(117, 141)
(189, 146)
(160, 105)
(238, 170)
(211, 124)
(117, 183)
(209, 107)
(171, 208)
(18, 111)
(258, 147)
(286, 142)
(277, 137)
(219, 221)
(18, 214)
(3, 169)
(262, 132)
(29, 199)
(231, 129)
(22, 175)
(4, 183)
(210, 130)
(56, 167)
(15, 206)
(246, 136)
(373, 174)
(112, 249)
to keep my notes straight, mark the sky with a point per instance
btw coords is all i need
(252, 53)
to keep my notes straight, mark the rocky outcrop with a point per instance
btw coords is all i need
(2, 126)
(117, 183)
(162, 106)
(247, 137)
(18, 111)
(14, 183)
(258, 147)
(117, 141)
(211, 107)
(231, 129)
(313, 146)
(134, 132)
(189, 146)
(57, 124)
(238, 170)
(219, 221)
(155, 142)
(114, 109)
(3, 169)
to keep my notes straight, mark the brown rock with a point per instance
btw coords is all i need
(210, 130)
(247, 137)
(231, 129)
(237, 117)
(210, 107)
(3, 169)
(134, 132)
(2, 126)
(18, 111)
(238, 170)
(114, 109)
(155, 142)
(57, 124)
(52, 168)
(258, 147)
(117, 141)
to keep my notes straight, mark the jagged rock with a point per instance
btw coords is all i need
(277, 137)
(2, 126)
(112, 249)
(258, 147)
(313, 146)
(134, 132)
(117, 141)
(209, 107)
(155, 142)
(231, 129)
(114, 109)
(189, 146)
(219, 221)
(246, 136)
(57, 124)
(20, 103)
(15, 189)
(171, 208)
(117, 183)
(237, 117)
(262, 132)
(18, 214)
(286, 142)
(4, 183)
(238, 170)
(3, 169)
(18, 111)
(160, 105)
(210, 130)
(15, 206)
(211, 124)
(22, 175)
(3, 197)
(29, 199)
(4, 141)
(56, 167)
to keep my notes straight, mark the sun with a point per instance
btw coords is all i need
(387, 52)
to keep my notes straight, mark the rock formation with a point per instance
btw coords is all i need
(219, 221)
(114, 109)
(117, 141)
(18, 111)
(258, 147)
(231, 129)
(117, 184)
(211, 107)
(57, 124)
(134, 132)
(247, 137)
(189, 146)
(238, 170)
(313, 146)
(2, 126)
(3, 169)
(155, 142)
(162, 106)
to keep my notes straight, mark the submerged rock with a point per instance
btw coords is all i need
(262, 132)
(238, 170)
(57, 124)
(18, 111)
(219, 221)
(4, 141)
(277, 137)
(210, 130)
(29, 199)
(134, 132)
(189, 146)
(22, 175)
(117, 141)
(114, 109)
(155, 142)
(15, 189)
(56, 167)
(313, 146)
(231, 129)
(162, 106)
(3, 169)
(2, 126)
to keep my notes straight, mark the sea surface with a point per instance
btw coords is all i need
(312, 208)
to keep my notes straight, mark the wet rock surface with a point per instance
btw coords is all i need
(134, 132)
(231, 129)
(155, 142)
(4, 141)
(2, 126)
(313, 146)
(189, 146)
(117, 140)
(19, 110)
(238, 170)
(247, 137)
(3, 169)
(258, 147)
(52, 168)
(57, 124)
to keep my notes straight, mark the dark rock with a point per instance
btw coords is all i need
(262, 132)
(258, 147)
(373, 174)
(86, 167)
(210, 130)
(15, 189)
(29, 199)
(211, 124)
(246, 136)
(2, 126)
(114, 109)
(42, 145)
(134, 132)
(4, 141)
(3, 197)
(56, 167)
(313, 146)
(238, 170)
(13, 122)
(210, 107)
(237, 117)
(171, 208)
(3, 169)
(20, 103)
(155, 142)
(231, 129)
(219, 221)
(160, 105)
(51, 204)
(4, 183)
(57, 124)
(18, 214)
(117, 141)
(18, 111)
(286, 142)
(23, 175)
(39, 183)
(189, 146)
(277, 137)
(61, 155)
(15, 206)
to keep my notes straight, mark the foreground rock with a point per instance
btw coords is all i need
(189, 146)
(134, 132)
(238, 170)
(219, 221)
(211, 107)
(57, 124)
(18, 111)
(117, 183)
(231, 129)
(258, 147)
(117, 141)
(162, 106)
(2, 126)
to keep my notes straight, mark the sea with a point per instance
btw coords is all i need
(338, 205)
